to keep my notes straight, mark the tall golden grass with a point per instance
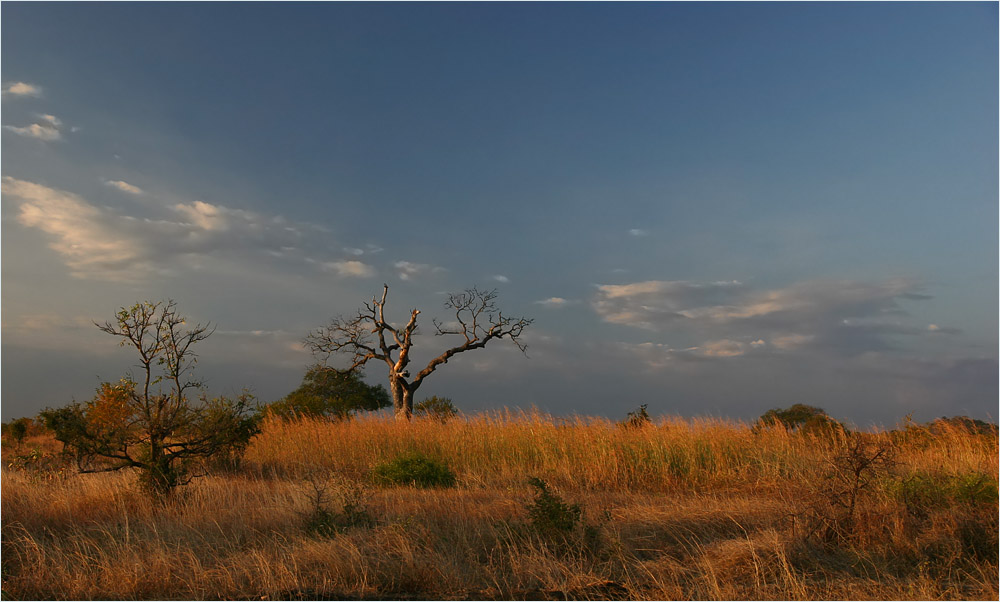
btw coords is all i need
(681, 509)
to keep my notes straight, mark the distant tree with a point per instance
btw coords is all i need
(150, 422)
(477, 320)
(972, 425)
(799, 417)
(438, 408)
(326, 391)
(17, 429)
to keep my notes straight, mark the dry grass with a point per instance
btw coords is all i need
(701, 509)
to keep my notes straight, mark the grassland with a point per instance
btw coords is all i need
(701, 509)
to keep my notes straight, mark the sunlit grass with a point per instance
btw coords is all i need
(685, 509)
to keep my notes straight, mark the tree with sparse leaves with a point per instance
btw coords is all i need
(369, 336)
(148, 421)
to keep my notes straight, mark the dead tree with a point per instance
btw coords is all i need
(368, 336)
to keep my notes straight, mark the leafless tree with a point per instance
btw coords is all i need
(369, 336)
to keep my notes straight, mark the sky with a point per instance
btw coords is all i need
(711, 208)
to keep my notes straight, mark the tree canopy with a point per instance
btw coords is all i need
(326, 391)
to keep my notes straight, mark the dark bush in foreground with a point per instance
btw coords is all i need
(414, 469)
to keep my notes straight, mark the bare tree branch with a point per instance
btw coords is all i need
(477, 320)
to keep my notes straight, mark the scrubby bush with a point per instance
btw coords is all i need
(560, 524)
(549, 513)
(415, 469)
(637, 418)
(320, 519)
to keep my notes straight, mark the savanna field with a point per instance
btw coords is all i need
(519, 506)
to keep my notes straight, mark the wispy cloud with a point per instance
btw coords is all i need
(124, 186)
(83, 234)
(36, 130)
(21, 89)
(839, 316)
(501, 278)
(408, 270)
(350, 268)
(638, 232)
(96, 242)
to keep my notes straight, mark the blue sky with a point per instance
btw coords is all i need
(712, 208)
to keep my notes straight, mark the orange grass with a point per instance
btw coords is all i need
(685, 509)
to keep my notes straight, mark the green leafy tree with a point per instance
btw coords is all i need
(148, 420)
(799, 417)
(326, 391)
(438, 408)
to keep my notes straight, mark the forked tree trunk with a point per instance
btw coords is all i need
(402, 399)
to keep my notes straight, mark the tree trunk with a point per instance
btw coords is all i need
(160, 477)
(402, 399)
(407, 405)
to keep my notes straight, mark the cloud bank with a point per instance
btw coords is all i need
(730, 318)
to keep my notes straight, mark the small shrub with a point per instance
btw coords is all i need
(414, 469)
(857, 465)
(637, 418)
(560, 525)
(923, 492)
(438, 408)
(321, 520)
(549, 513)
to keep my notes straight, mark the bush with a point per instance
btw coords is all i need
(320, 520)
(438, 408)
(923, 492)
(560, 525)
(414, 469)
(549, 513)
(637, 418)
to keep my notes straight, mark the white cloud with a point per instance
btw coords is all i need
(554, 302)
(83, 234)
(124, 186)
(638, 232)
(501, 278)
(52, 119)
(208, 216)
(22, 89)
(409, 270)
(36, 130)
(96, 242)
(350, 268)
(354, 251)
